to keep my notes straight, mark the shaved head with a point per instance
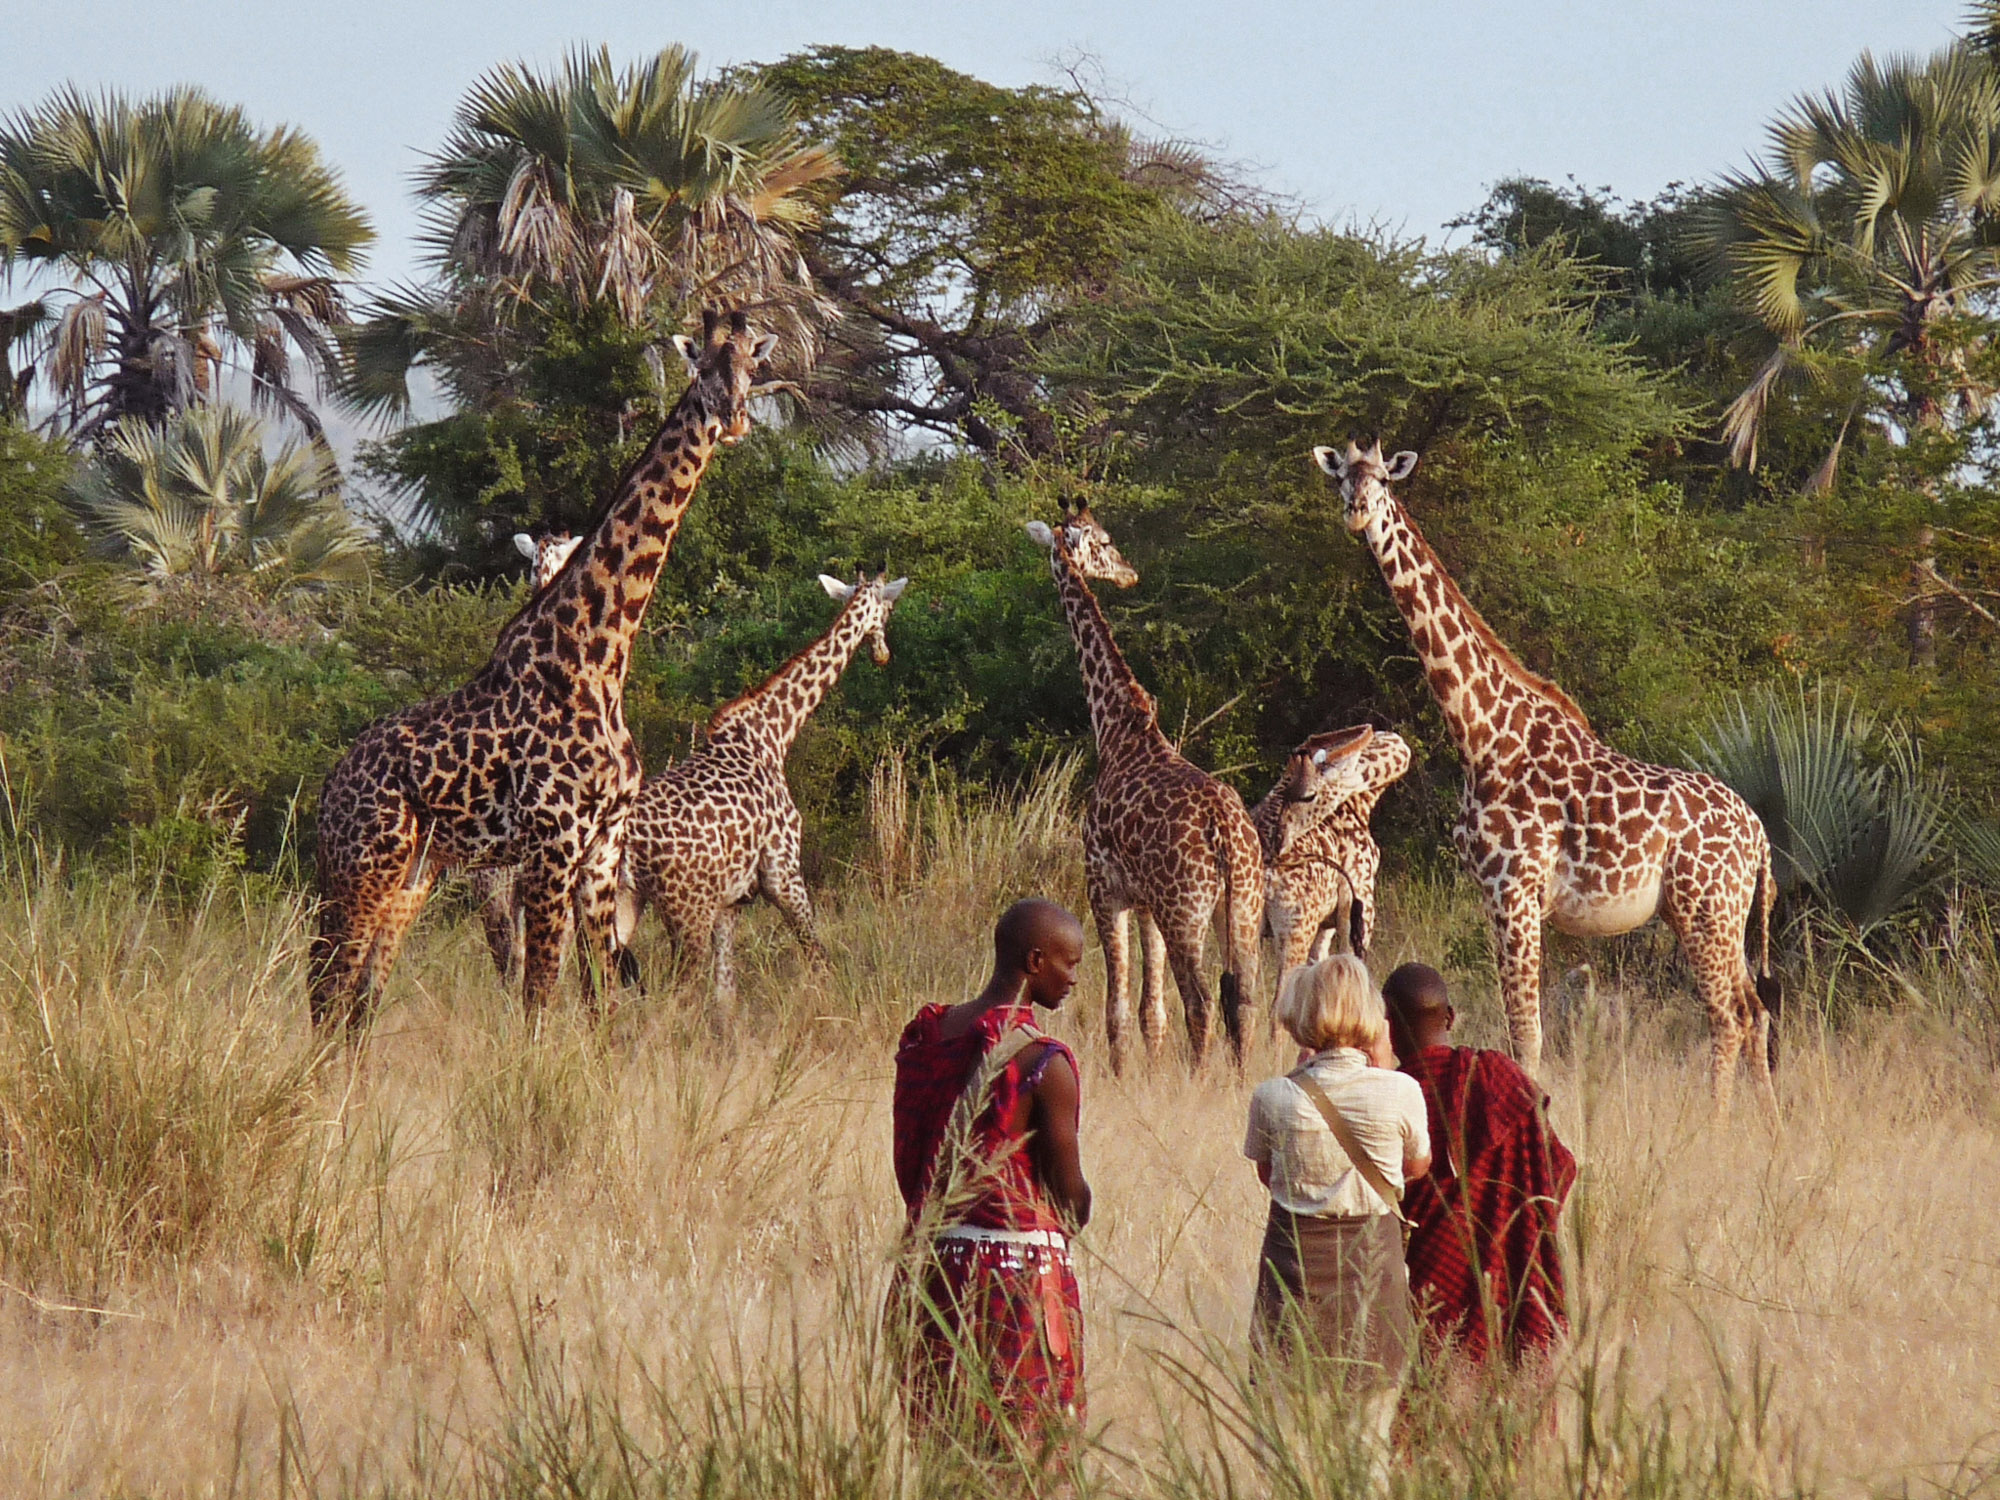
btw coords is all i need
(1031, 924)
(1417, 994)
(1037, 946)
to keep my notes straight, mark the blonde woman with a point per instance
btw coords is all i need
(1331, 1273)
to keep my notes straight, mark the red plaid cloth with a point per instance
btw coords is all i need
(931, 1072)
(1014, 1308)
(1484, 1265)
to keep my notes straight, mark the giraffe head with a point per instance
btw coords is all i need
(1326, 766)
(546, 557)
(723, 369)
(871, 599)
(1365, 477)
(1084, 540)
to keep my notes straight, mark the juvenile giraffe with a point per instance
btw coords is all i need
(711, 832)
(1320, 859)
(1159, 836)
(493, 887)
(1555, 825)
(530, 763)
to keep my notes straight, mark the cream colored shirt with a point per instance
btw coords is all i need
(1310, 1174)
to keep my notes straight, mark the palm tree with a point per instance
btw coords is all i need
(181, 234)
(197, 501)
(1869, 245)
(641, 188)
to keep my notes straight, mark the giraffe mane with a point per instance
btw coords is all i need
(1503, 655)
(717, 721)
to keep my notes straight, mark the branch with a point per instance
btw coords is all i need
(1928, 569)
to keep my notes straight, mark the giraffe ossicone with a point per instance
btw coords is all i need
(1556, 826)
(530, 764)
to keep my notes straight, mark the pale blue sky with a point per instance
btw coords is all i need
(1398, 113)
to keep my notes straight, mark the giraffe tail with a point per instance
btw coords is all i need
(1239, 887)
(1770, 991)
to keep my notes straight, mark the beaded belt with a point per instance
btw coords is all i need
(1052, 1239)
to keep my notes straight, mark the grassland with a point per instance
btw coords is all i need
(644, 1258)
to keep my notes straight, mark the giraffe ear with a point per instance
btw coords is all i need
(525, 545)
(894, 591)
(690, 351)
(835, 589)
(1319, 757)
(765, 347)
(1403, 465)
(1040, 532)
(1330, 461)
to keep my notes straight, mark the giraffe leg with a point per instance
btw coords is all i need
(548, 903)
(369, 852)
(398, 915)
(1113, 932)
(1184, 957)
(1517, 928)
(599, 953)
(1152, 983)
(1736, 1023)
(722, 946)
(779, 878)
(502, 923)
(1322, 941)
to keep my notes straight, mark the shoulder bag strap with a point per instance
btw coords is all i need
(1363, 1162)
(979, 1091)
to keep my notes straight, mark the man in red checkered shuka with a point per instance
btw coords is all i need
(1485, 1269)
(986, 1111)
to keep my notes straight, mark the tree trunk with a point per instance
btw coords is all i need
(1922, 620)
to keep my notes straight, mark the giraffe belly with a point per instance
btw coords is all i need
(1605, 913)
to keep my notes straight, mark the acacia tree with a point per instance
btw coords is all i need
(640, 190)
(181, 236)
(1868, 244)
(970, 217)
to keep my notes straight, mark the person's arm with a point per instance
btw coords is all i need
(1416, 1131)
(1054, 1118)
(1257, 1142)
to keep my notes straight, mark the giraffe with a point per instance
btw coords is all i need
(1555, 825)
(493, 886)
(1320, 860)
(1159, 836)
(530, 763)
(708, 834)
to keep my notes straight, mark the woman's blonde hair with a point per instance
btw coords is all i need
(1333, 1003)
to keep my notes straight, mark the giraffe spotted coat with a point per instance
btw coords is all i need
(718, 828)
(493, 886)
(1555, 825)
(1320, 857)
(1160, 837)
(530, 763)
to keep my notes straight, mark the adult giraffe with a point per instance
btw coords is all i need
(530, 763)
(710, 832)
(1556, 825)
(1159, 836)
(493, 886)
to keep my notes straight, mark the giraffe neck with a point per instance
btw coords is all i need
(596, 603)
(1121, 711)
(1480, 688)
(777, 711)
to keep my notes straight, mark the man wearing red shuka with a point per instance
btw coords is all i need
(1485, 1270)
(986, 1110)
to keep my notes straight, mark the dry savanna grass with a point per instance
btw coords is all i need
(646, 1258)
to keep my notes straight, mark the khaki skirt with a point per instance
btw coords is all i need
(1336, 1285)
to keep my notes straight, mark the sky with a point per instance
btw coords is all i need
(1373, 111)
